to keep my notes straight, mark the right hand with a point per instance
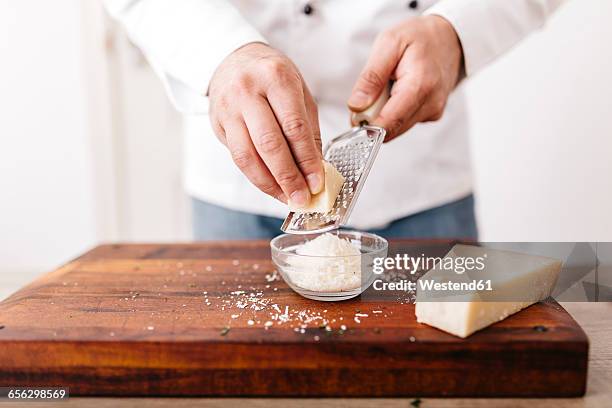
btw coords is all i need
(262, 111)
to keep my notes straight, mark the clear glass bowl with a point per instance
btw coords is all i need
(328, 278)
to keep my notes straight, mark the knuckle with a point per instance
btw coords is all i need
(308, 162)
(438, 109)
(371, 80)
(436, 116)
(440, 106)
(218, 104)
(283, 74)
(426, 86)
(420, 93)
(420, 53)
(244, 83)
(269, 188)
(269, 142)
(224, 104)
(217, 128)
(313, 108)
(431, 84)
(390, 37)
(317, 138)
(288, 178)
(294, 128)
(241, 158)
(396, 126)
(275, 67)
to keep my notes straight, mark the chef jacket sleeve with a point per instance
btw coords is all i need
(184, 41)
(488, 28)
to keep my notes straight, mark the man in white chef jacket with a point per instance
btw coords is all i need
(262, 83)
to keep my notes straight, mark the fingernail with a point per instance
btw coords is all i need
(314, 183)
(299, 198)
(359, 100)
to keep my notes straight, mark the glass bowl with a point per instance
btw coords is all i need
(328, 278)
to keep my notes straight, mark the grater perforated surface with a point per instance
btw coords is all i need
(352, 154)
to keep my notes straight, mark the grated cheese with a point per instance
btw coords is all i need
(328, 264)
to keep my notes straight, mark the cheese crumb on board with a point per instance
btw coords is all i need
(323, 202)
(328, 264)
(518, 280)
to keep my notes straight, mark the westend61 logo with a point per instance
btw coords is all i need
(412, 264)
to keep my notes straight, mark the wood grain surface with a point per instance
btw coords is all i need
(146, 320)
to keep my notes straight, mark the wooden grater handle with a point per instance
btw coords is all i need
(368, 115)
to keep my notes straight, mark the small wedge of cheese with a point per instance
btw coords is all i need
(323, 202)
(463, 307)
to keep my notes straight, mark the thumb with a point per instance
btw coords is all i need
(375, 75)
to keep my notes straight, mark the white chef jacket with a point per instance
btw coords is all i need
(185, 40)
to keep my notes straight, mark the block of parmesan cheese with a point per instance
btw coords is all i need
(324, 201)
(498, 284)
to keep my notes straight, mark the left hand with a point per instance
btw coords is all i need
(424, 58)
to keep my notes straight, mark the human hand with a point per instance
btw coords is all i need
(262, 111)
(424, 58)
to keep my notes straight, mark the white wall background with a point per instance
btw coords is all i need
(46, 195)
(542, 132)
(90, 148)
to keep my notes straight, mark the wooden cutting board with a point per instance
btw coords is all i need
(172, 320)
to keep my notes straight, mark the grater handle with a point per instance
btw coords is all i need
(367, 116)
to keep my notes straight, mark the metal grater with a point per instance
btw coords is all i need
(353, 154)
